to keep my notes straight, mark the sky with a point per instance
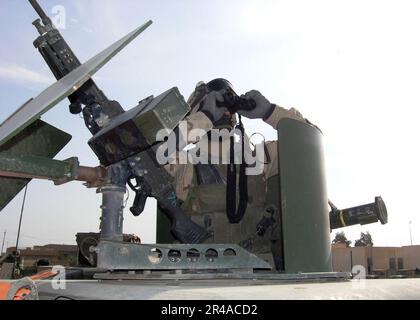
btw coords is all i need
(351, 67)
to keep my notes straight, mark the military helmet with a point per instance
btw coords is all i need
(220, 84)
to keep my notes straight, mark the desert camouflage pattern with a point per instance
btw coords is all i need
(206, 203)
(183, 173)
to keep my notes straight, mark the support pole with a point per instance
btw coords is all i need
(2, 245)
(112, 212)
(17, 265)
(20, 219)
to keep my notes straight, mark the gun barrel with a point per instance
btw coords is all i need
(45, 19)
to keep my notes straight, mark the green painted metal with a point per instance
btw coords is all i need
(163, 228)
(306, 228)
(164, 113)
(35, 167)
(136, 130)
(38, 140)
(114, 255)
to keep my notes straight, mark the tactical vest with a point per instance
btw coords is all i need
(258, 232)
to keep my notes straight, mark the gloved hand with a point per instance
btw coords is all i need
(210, 108)
(264, 107)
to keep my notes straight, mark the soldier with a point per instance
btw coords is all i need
(209, 193)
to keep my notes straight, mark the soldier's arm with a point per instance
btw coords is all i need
(197, 123)
(268, 111)
(279, 113)
(183, 173)
(271, 114)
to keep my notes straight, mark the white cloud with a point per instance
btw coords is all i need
(22, 75)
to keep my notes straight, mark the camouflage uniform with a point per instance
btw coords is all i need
(206, 202)
(183, 173)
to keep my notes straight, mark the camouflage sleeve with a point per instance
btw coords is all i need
(280, 113)
(272, 167)
(198, 122)
(183, 175)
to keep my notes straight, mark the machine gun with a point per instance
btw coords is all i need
(98, 109)
(129, 143)
(123, 141)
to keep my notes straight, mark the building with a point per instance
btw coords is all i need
(382, 261)
(54, 254)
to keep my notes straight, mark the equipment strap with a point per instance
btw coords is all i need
(236, 216)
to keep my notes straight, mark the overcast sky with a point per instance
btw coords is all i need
(351, 67)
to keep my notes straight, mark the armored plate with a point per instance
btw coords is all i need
(39, 139)
(304, 199)
(234, 289)
(69, 84)
(123, 256)
(164, 113)
(136, 130)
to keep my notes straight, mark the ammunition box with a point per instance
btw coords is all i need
(135, 130)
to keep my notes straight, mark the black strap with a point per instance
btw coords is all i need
(236, 216)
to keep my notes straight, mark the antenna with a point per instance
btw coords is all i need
(20, 219)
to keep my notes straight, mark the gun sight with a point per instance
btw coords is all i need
(45, 19)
